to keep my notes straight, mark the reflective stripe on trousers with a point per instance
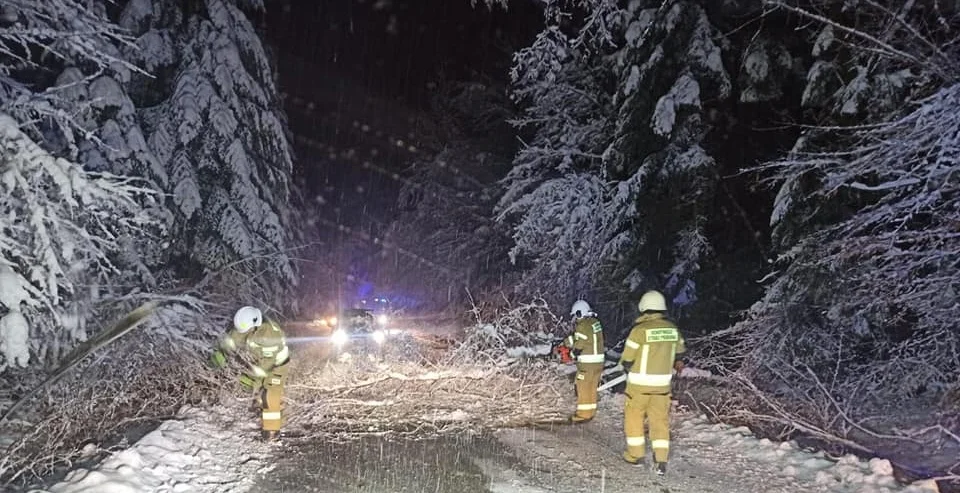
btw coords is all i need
(272, 394)
(588, 379)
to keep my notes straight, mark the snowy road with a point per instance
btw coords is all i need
(212, 452)
(216, 451)
(567, 459)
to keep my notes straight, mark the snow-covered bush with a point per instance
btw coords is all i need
(148, 374)
(63, 231)
(866, 308)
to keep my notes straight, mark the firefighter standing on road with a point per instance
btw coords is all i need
(586, 343)
(266, 341)
(649, 357)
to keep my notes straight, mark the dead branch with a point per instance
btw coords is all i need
(888, 49)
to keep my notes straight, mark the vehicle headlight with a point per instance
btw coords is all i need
(379, 336)
(339, 337)
(383, 319)
(332, 321)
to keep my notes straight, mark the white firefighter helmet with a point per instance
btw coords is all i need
(247, 318)
(652, 301)
(581, 308)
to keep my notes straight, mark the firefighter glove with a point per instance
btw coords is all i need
(218, 360)
(247, 382)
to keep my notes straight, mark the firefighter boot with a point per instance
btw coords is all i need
(269, 435)
(661, 468)
(635, 462)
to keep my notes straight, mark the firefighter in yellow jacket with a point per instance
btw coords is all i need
(586, 343)
(267, 343)
(649, 358)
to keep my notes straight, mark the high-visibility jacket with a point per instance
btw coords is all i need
(587, 340)
(652, 346)
(267, 343)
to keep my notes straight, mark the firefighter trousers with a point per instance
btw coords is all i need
(588, 379)
(271, 395)
(656, 408)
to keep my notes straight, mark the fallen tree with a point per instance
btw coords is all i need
(478, 384)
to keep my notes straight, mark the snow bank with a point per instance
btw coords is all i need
(846, 475)
(197, 453)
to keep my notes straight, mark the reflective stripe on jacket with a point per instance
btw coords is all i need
(587, 338)
(267, 343)
(652, 346)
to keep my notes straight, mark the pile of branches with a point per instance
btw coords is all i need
(405, 398)
(475, 386)
(146, 376)
(499, 328)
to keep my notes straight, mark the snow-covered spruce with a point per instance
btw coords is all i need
(219, 137)
(602, 151)
(63, 227)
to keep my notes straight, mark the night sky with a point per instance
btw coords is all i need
(358, 74)
(357, 78)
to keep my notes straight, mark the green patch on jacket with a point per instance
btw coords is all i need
(662, 335)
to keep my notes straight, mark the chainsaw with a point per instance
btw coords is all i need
(564, 353)
(622, 375)
(614, 381)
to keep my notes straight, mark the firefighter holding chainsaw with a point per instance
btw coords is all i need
(586, 344)
(267, 343)
(649, 356)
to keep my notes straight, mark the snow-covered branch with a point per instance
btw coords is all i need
(881, 280)
(63, 228)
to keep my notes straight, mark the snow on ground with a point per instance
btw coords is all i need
(706, 457)
(203, 451)
(216, 451)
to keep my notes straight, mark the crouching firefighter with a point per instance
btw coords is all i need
(586, 344)
(648, 357)
(266, 342)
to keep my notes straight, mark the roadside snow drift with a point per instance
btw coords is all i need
(201, 452)
(848, 474)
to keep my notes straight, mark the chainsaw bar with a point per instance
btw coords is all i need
(611, 383)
